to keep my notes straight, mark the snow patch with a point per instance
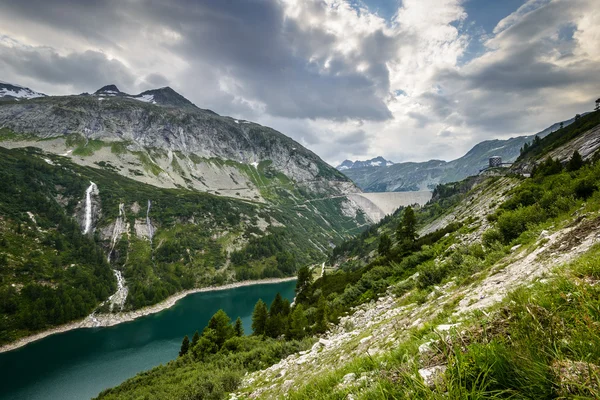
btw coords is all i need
(146, 98)
(22, 93)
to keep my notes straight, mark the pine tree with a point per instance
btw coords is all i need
(385, 244)
(185, 346)
(275, 326)
(321, 316)
(221, 324)
(407, 229)
(298, 322)
(286, 308)
(304, 278)
(276, 306)
(195, 338)
(259, 318)
(575, 163)
(597, 108)
(238, 328)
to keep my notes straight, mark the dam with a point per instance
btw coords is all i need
(378, 205)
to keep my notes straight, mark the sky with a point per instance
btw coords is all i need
(410, 80)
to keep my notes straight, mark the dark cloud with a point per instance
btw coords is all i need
(90, 69)
(273, 60)
(155, 80)
(358, 137)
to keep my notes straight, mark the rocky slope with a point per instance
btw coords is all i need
(412, 176)
(176, 143)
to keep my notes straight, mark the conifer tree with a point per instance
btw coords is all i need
(304, 278)
(259, 318)
(238, 328)
(575, 163)
(298, 322)
(221, 324)
(407, 229)
(385, 244)
(195, 338)
(185, 346)
(321, 316)
(276, 306)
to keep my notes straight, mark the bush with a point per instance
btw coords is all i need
(512, 223)
(491, 236)
(585, 188)
(430, 274)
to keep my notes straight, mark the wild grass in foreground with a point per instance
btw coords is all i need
(542, 342)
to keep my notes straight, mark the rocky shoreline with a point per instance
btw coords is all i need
(105, 320)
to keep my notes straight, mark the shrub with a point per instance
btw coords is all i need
(512, 223)
(430, 274)
(491, 236)
(585, 188)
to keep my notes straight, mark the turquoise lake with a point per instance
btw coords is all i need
(79, 364)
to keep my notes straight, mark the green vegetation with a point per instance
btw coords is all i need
(52, 274)
(539, 147)
(211, 367)
(542, 342)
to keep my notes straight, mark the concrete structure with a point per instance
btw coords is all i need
(378, 205)
(495, 162)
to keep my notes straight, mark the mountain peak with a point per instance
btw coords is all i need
(373, 162)
(11, 91)
(108, 90)
(165, 96)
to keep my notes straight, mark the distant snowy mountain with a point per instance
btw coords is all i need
(374, 162)
(412, 176)
(11, 91)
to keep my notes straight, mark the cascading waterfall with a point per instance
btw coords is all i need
(149, 223)
(117, 230)
(88, 207)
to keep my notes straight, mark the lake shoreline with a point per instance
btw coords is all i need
(106, 320)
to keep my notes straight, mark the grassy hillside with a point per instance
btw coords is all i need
(51, 273)
(435, 307)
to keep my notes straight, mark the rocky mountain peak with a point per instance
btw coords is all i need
(374, 162)
(11, 91)
(108, 90)
(165, 96)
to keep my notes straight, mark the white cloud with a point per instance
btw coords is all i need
(343, 81)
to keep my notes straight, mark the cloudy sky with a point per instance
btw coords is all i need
(407, 79)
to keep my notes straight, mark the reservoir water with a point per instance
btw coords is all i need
(81, 363)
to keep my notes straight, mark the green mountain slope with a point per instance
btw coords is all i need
(148, 196)
(496, 297)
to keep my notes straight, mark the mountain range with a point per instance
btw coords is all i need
(111, 202)
(374, 162)
(414, 176)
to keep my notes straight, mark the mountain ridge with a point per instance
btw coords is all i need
(374, 162)
(414, 176)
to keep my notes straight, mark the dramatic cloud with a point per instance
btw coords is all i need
(427, 80)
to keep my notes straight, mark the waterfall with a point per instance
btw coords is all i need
(149, 223)
(88, 207)
(117, 230)
(119, 297)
